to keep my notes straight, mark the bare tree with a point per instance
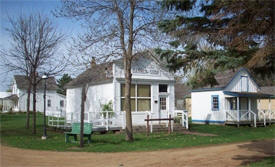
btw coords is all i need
(83, 100)
(34, 43)
(118, 28)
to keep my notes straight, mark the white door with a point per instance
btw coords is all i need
(162, 106)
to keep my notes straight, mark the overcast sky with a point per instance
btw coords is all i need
(14, 8)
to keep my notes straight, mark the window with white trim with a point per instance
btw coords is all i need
(215, 102)
(61, 103)
(244, 83)
(49, 103)
(140, 97)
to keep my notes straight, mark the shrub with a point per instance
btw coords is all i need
(107, 107)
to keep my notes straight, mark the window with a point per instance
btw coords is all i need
(215, 102)
(140, 97)
(244, 83)
(162, 101)
(163, 88)
(49, 103)
(61, 103)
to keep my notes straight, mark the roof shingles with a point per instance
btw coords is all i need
(22, 83)
(96, 74)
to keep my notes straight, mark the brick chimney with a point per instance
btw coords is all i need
(93, 62)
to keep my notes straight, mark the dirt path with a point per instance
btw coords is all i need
(218, 155)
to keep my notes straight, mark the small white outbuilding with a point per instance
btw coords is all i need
(233, 100)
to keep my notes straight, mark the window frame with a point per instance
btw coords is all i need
(49, 103)
(61, 102)
(136, 98)
(243, 84)
(212, 103)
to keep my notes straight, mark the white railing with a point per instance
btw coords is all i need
(265, 115)
(241, 115)
(150, 122)
(105, 119)
(109, 119)
(184, 117)
(56, 118)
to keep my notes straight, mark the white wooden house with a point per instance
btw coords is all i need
(233, 100)
(55, 102)
(152, 91)
(6, 103)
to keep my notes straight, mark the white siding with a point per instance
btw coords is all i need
(236, 83)
(202, 109)
(50, 95)
(97, 96)
(153, 71)
(73, 99)
(103, 93)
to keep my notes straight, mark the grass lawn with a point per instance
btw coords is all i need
(13, 133)
(266, 162)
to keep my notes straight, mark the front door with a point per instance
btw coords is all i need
(162, 106)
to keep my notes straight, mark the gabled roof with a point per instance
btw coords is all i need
(22, 83)
(268, 90)
(224, 79)
(4, 94)
(247, 94)
(98, 73)
(103, 73)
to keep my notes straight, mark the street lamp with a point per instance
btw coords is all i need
(44, 77)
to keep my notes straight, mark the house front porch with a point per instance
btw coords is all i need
(242, 108)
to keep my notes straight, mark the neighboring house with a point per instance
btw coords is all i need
(266, 104)
(183, 97)
(234, 99)
(152, 90)
(6, 103)
(54, 101)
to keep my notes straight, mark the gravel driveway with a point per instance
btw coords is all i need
(217, 155)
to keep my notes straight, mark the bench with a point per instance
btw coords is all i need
(87, 132)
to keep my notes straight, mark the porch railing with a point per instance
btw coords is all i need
(266, 115)
(56, 118)
(184, 117)
(105, 119)
(109, 119)
(241, 115)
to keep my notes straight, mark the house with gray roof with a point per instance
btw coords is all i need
(233, 100)
(152, 92)
(55, 102)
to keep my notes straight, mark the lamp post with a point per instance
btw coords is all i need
(44, 77)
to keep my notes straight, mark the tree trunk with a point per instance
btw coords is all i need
(129, 128)
(28, 105)
(83, 99)
(128, 75)
(34, 103)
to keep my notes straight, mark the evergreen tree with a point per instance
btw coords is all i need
(66, 78)
(236, 33)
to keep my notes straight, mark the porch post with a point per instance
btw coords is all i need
(249, 108)
(269, 112)
(269, 104)
(238, 111)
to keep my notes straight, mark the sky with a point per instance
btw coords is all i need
(14, 8)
